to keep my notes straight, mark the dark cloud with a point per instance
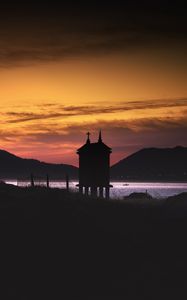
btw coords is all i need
(134, 125)
(124, 136)
(114, 128)
(118, 133)
(61, 111)
(31, 32)
(20, 117)
(73, 132)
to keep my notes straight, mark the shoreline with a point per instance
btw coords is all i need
(112, 181)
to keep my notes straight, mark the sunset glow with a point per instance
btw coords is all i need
(50, 98)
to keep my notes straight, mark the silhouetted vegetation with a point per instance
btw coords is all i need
(59, 243)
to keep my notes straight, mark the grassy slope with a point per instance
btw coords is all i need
(58, 243)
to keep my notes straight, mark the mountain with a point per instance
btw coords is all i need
(168, 164)
(12, 167)
(153, 164)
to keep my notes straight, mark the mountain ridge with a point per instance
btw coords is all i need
(153, 164)
(163, 164)
(12, 166)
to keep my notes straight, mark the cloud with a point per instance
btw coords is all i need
(38, 33)
(60, 111)
(55, 143)
(57, 130)
(18, 117)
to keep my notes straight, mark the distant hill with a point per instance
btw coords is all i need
(168, 164)
(13, 167)
(153, 164)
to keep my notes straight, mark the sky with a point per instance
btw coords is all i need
(74, 67)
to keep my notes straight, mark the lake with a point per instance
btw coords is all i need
(121, 189)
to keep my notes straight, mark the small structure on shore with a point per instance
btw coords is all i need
(94, 168)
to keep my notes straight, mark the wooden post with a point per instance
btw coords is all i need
(47, 181)
(67, 182)
(32, 180)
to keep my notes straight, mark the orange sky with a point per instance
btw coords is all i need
(46, 109)
(66, 68)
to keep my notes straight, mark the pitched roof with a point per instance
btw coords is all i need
(94, 147)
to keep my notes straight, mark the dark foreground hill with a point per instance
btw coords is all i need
(168, 164)
(12, 166)
(59, 245)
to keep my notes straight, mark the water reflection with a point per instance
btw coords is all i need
(121, 189)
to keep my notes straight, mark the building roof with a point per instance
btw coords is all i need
(94, 147)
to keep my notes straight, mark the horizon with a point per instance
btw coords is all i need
(111, 164)
(66, 69)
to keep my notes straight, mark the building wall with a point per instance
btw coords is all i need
(94, 169)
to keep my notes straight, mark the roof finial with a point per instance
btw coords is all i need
(100, 137)
(88, 139)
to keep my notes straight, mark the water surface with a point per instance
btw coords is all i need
(121, 189)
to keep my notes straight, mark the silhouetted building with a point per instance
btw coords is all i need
(94, 168)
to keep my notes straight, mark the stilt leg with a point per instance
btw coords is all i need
(86, 190)
(101, 192)
(93, 192)
(80, 189)
(107, 192)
